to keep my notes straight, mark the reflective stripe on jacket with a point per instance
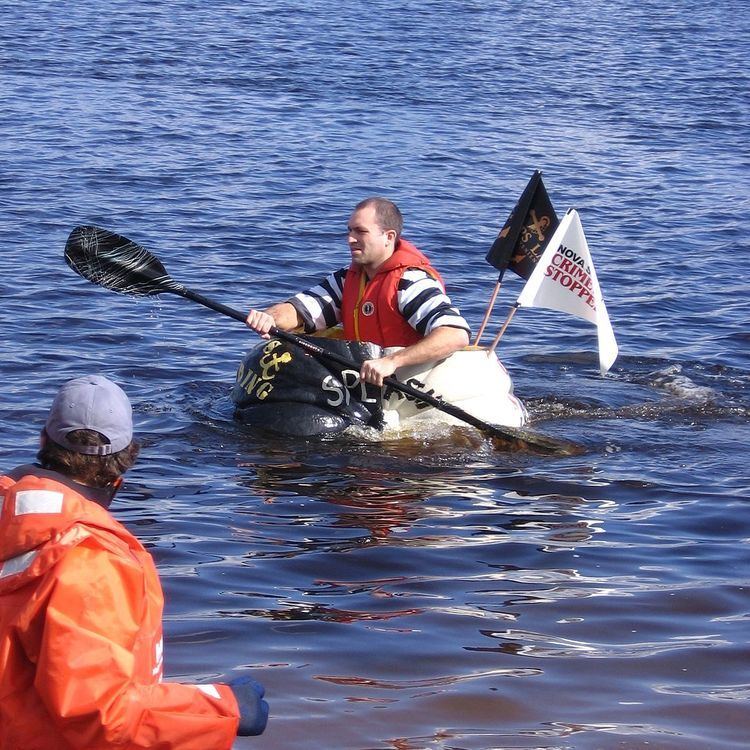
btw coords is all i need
(369, 309)
(81, 635)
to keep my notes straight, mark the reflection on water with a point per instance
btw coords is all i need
(468, 588)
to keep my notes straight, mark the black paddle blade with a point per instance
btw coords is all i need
(117, 263)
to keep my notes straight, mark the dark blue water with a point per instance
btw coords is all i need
(417, 593)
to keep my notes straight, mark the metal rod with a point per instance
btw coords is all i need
(487, 313)
(512, 312)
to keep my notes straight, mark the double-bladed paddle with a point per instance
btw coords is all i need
(117, 263)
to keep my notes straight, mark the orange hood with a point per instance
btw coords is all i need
(39, 521)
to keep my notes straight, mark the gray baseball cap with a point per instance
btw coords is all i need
(91, 403)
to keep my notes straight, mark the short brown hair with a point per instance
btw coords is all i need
(94, 471)
(387, 214)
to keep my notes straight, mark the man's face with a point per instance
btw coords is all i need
(369, 245)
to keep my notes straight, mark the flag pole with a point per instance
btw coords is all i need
(488, 312)
(497, 338)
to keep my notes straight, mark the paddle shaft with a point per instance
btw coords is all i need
(313, 348)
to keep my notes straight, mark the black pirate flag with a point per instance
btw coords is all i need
(526, 232)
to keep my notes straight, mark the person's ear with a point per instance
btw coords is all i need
(43, 438)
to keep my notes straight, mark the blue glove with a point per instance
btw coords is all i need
(253, 709)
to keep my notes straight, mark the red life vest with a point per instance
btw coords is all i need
(369, 308)
(81, 634)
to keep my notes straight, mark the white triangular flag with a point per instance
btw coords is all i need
(564, 279)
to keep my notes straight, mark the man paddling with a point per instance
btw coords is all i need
(81, 603)
(389, 295)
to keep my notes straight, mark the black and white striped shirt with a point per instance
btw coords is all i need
(421, 300)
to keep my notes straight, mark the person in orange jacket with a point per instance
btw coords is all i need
(81, 603)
